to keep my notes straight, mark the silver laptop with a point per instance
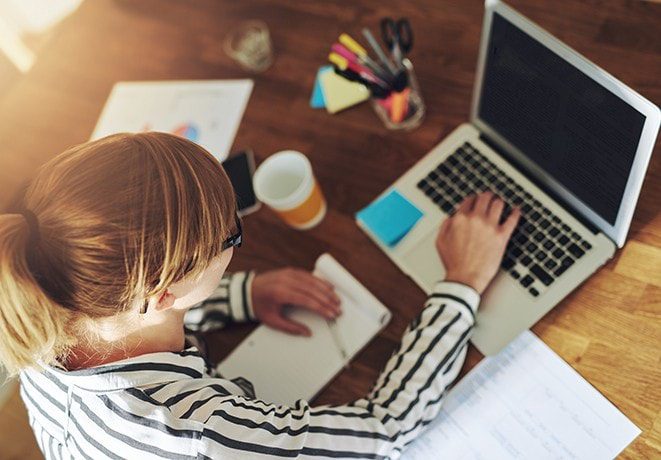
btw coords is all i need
(551, 133)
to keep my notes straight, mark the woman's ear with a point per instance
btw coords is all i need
(163, 301)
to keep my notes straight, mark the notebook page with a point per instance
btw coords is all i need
(363, 315)
(525, 402)
(282, 367)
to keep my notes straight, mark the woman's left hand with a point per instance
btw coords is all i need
(274, 290)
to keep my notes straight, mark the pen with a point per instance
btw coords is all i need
(338, 342)
(364, 58)
(379, 52)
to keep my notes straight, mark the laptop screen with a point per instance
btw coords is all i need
(570, 126)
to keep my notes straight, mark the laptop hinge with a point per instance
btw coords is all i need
(502, 152)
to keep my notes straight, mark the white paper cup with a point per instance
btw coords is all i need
(285, 182)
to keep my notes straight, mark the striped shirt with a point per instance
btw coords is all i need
(175, 405)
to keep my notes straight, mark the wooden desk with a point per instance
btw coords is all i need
(608, 329)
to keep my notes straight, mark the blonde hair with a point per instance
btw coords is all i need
(119, 219)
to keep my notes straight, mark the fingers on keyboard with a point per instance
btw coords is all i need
(542, 247)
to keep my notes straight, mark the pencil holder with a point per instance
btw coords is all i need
(403, 110)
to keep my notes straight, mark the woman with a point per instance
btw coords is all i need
(119, 254)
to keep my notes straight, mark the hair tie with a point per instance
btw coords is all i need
(33, 225)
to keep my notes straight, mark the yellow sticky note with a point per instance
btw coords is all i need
(340, 93)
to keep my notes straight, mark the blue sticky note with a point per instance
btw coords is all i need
(317, 100)
(390, 217)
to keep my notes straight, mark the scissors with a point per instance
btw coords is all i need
(398, 37)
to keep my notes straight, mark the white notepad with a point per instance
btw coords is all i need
(284, 368)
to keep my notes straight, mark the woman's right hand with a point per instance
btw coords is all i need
(274, 290)
(471, 242)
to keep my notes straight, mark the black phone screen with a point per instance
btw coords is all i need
(239, 169)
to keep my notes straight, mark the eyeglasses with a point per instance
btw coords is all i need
(236, 239)
(233, 241)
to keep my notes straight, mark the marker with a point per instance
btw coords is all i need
(344, 64)
(342, 51)
(357, 67)
(338, 60)
(377, 91)
(352, 45)
(386, 103)
(355, 47)
(399, 106)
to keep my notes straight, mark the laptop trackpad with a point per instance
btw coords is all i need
(423, 263)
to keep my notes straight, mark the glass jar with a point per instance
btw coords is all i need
(389, 109)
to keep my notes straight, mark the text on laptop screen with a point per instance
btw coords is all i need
(574, 129)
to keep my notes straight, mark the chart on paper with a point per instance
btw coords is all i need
(207, 112)
(525, 402)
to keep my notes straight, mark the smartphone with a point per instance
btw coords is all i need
(240, 167)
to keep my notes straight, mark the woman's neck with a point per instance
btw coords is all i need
(111, 343)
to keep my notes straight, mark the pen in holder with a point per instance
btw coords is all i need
(401, 110)
(387, 75)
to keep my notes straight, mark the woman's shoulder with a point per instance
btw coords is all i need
(189, 398)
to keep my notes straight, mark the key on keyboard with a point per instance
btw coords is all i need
(540, 235)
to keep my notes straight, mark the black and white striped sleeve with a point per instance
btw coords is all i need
(230, 302)
(407, 395)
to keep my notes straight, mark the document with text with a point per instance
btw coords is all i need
(525, 402)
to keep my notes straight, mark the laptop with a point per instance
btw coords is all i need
(551, 133)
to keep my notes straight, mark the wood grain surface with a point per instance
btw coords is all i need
(609, 329)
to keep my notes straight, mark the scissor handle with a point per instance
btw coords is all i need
(389, 32)
(404, 35)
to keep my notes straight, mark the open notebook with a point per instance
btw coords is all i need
(284, 368)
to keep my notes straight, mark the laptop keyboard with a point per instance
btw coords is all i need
(542, 246)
